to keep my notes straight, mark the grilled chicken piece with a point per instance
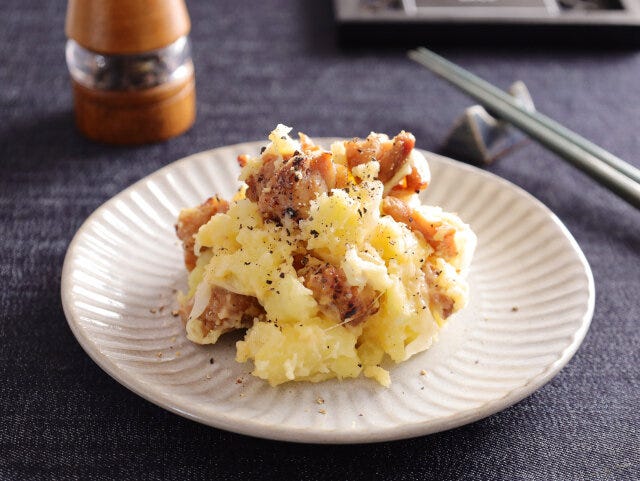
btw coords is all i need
(225, 311)
(283, 188)
(334, 295)
(190, 220)
(438, 235)
(392, 155)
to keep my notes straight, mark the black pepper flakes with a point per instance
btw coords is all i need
(350, 313)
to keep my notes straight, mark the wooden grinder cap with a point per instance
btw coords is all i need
(126, 27)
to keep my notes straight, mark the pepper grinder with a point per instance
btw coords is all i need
(131, 69)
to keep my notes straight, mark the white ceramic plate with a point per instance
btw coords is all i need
(532, 299)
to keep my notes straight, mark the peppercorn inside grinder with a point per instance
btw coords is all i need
(131, 69)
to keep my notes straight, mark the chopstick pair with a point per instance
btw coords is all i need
(612, 172)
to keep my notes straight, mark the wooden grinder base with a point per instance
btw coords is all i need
(135, 117)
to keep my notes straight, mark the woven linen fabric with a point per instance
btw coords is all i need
(259, 63)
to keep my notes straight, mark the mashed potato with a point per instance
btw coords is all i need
(327, 258)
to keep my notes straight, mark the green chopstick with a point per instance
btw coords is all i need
(612, 172)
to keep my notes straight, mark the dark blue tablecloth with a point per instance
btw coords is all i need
(259, 63)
